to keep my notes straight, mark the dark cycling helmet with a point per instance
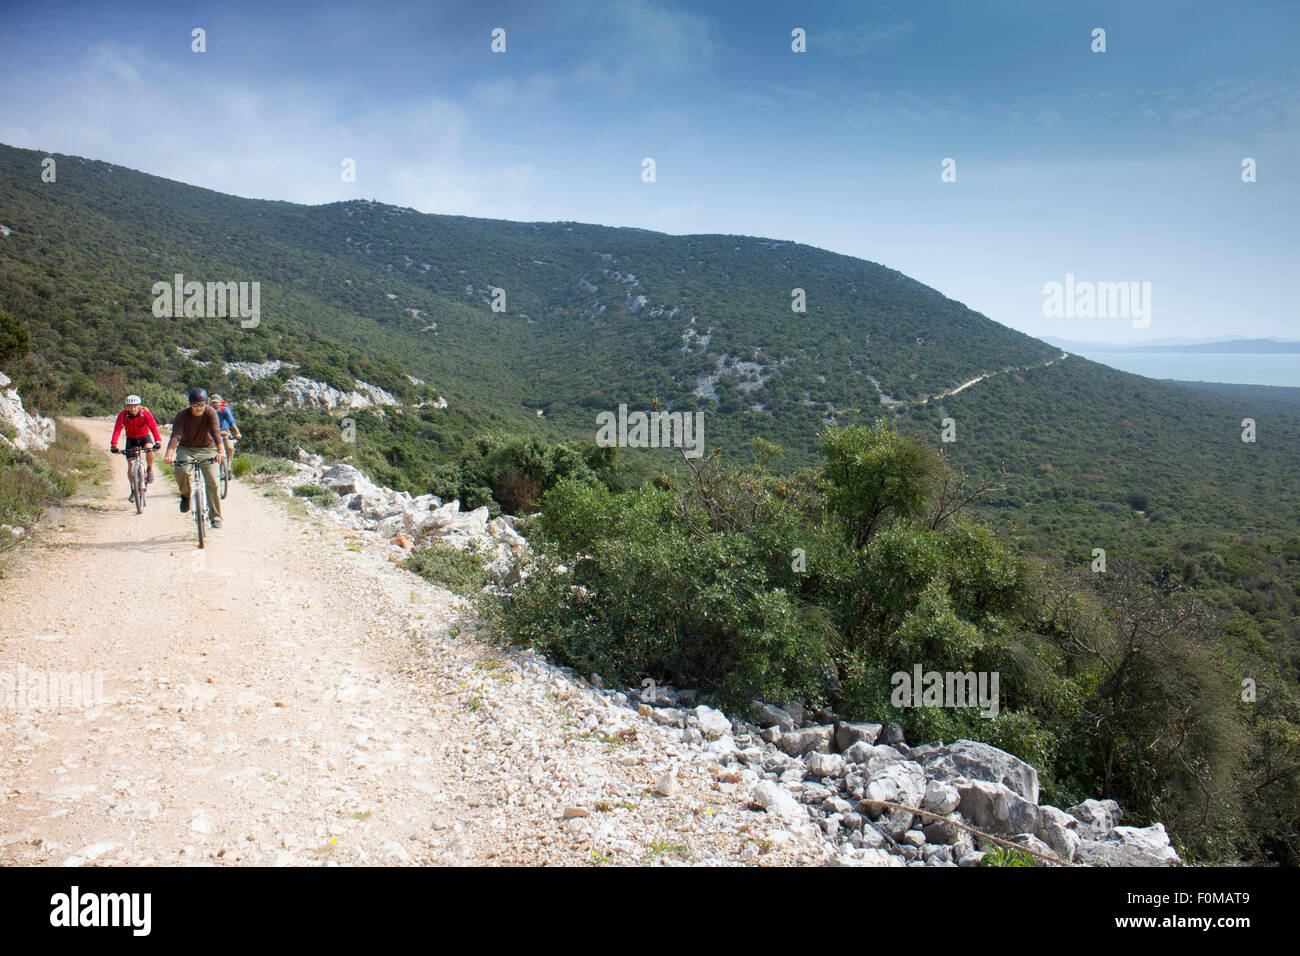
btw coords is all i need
(198, 395)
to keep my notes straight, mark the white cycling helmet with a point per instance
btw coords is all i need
(133, 399)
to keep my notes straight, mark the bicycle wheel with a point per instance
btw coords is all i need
(200, 513)
(199, 499)
(225, 479)
(137, 485)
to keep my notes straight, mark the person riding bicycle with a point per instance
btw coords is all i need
(138, 423)
(226, 419)
(197, 433)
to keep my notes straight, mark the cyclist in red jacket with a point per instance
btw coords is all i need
(138, 422)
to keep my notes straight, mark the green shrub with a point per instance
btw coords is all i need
(457, 570)
(876, 474)
(1002, 856)
(509, 473)
(164, 403)
(642, 596)
(318, 493)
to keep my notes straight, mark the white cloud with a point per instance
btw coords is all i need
(879, 108)
(860, 40)
(642, 43)
(506, 91)
(115, 60)
(278, 141)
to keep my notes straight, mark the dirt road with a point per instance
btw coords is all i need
(288, 696)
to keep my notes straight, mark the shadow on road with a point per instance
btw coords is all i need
(183, 535)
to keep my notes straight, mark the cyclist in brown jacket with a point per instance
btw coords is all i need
(198, 433)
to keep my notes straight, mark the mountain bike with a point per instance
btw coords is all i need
(198, 495)
(226, 474)
(136, 476)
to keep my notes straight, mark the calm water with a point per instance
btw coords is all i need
(1192, 367)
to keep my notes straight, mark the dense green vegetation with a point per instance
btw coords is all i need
(1082, 457)
(14, 340)
(1158, 476)
(511, 472)
(824, 584)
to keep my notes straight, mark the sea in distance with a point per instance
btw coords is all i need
(1236, 369)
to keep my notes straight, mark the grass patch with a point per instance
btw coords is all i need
(30, 481)
(491, 667)
(657, 849)
(458, 571)
(317, 493)
(247, 463)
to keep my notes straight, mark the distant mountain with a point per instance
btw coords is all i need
(1268, 346)
(592, 316)
(374, 299)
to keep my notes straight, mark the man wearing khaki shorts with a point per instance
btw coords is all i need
(198, 433)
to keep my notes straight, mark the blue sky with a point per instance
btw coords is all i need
(1115, 166)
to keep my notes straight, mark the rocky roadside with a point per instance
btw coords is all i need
(849, 794)
(405, 523)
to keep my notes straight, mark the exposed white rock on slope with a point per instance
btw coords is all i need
(305, 392)
(255, 370)
(34, 431)
(308, 393)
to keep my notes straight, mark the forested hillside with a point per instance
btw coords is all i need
(653, 317)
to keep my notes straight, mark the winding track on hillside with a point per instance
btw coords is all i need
(289, 696)
(925, 400)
